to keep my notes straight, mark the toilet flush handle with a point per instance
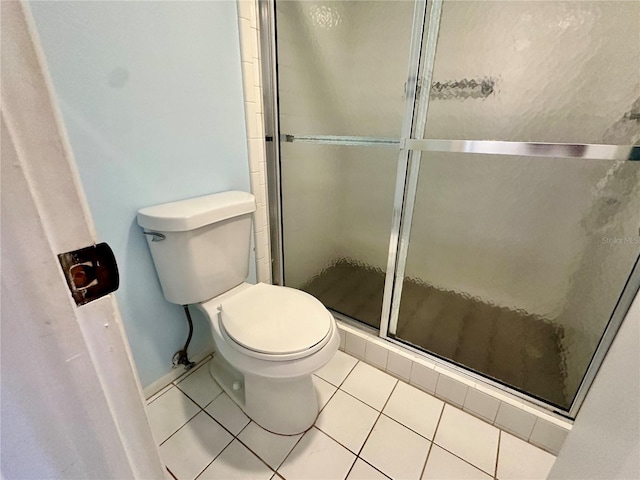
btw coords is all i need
(157, 236)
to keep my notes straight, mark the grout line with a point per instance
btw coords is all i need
(377, 419)
(332, 395)
(449, 451)
(170, 472)
(228, 431)
(292, 449)
(370, 406)
(248, 448)
(432, 441)
(237, 437)
(376, 469)
(355, 459)
(497, 454)
(201, 408)
(180, 428)
(350, 371)
(214, 459)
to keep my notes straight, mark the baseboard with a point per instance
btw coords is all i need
(172, 375)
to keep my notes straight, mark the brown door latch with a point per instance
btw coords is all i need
(91, 272)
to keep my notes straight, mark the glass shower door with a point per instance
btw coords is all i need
(450, 168)
(342, 71)
(517, 256)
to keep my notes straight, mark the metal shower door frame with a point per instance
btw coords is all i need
(411, 146)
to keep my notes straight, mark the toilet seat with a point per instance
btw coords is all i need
(275, 323)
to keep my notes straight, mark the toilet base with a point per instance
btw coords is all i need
(282, 406)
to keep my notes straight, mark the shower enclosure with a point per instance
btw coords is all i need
(462, 177)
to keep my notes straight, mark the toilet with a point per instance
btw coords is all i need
(269, 339)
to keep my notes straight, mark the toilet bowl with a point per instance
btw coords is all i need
(269, 339)
(267, 370)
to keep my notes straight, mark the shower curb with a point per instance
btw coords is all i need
(495, 407)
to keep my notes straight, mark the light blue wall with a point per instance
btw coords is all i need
(151, 97)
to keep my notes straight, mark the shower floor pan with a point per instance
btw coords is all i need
(511, 346)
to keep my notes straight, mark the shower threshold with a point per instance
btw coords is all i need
(513, 347)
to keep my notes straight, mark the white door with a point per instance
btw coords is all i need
(72, 405)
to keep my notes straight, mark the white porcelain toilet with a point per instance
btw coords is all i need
(269, 339)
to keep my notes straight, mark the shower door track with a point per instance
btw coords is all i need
(410, 147)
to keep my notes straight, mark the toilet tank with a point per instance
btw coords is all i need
(200, 246)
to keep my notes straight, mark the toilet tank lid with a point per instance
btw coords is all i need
(193, 213)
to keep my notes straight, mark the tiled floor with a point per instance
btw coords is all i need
(371, 426)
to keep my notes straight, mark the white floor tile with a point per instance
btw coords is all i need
(169, 412)
(443, 465)
(194, 446)
(370, 385)
(338, 368)
(324, 391)
(347, 420)
(236, 462)
(469, 438)
(225, 411)
(316, 457)
(363, 471)
(270, 447)
(200, 386)
(414, 409)
(395, 450)
(521, 460)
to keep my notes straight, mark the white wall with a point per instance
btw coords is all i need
(151, 96)
(605, 440)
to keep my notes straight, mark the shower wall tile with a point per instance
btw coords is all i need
(399, 366)
(258, 94)
(256, 150)
(515, 420)
(355, 345)
(254, 117)
(248, 85)
(245, 9)
(252, 120)
(245, 39)
(423, 377)
(343, 338)
(451, 390)
(481, 405)
(376, 355)
(548, 436)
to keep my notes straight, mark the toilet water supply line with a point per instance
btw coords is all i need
(180, 357)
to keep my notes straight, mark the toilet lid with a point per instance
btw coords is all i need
(275, 320)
